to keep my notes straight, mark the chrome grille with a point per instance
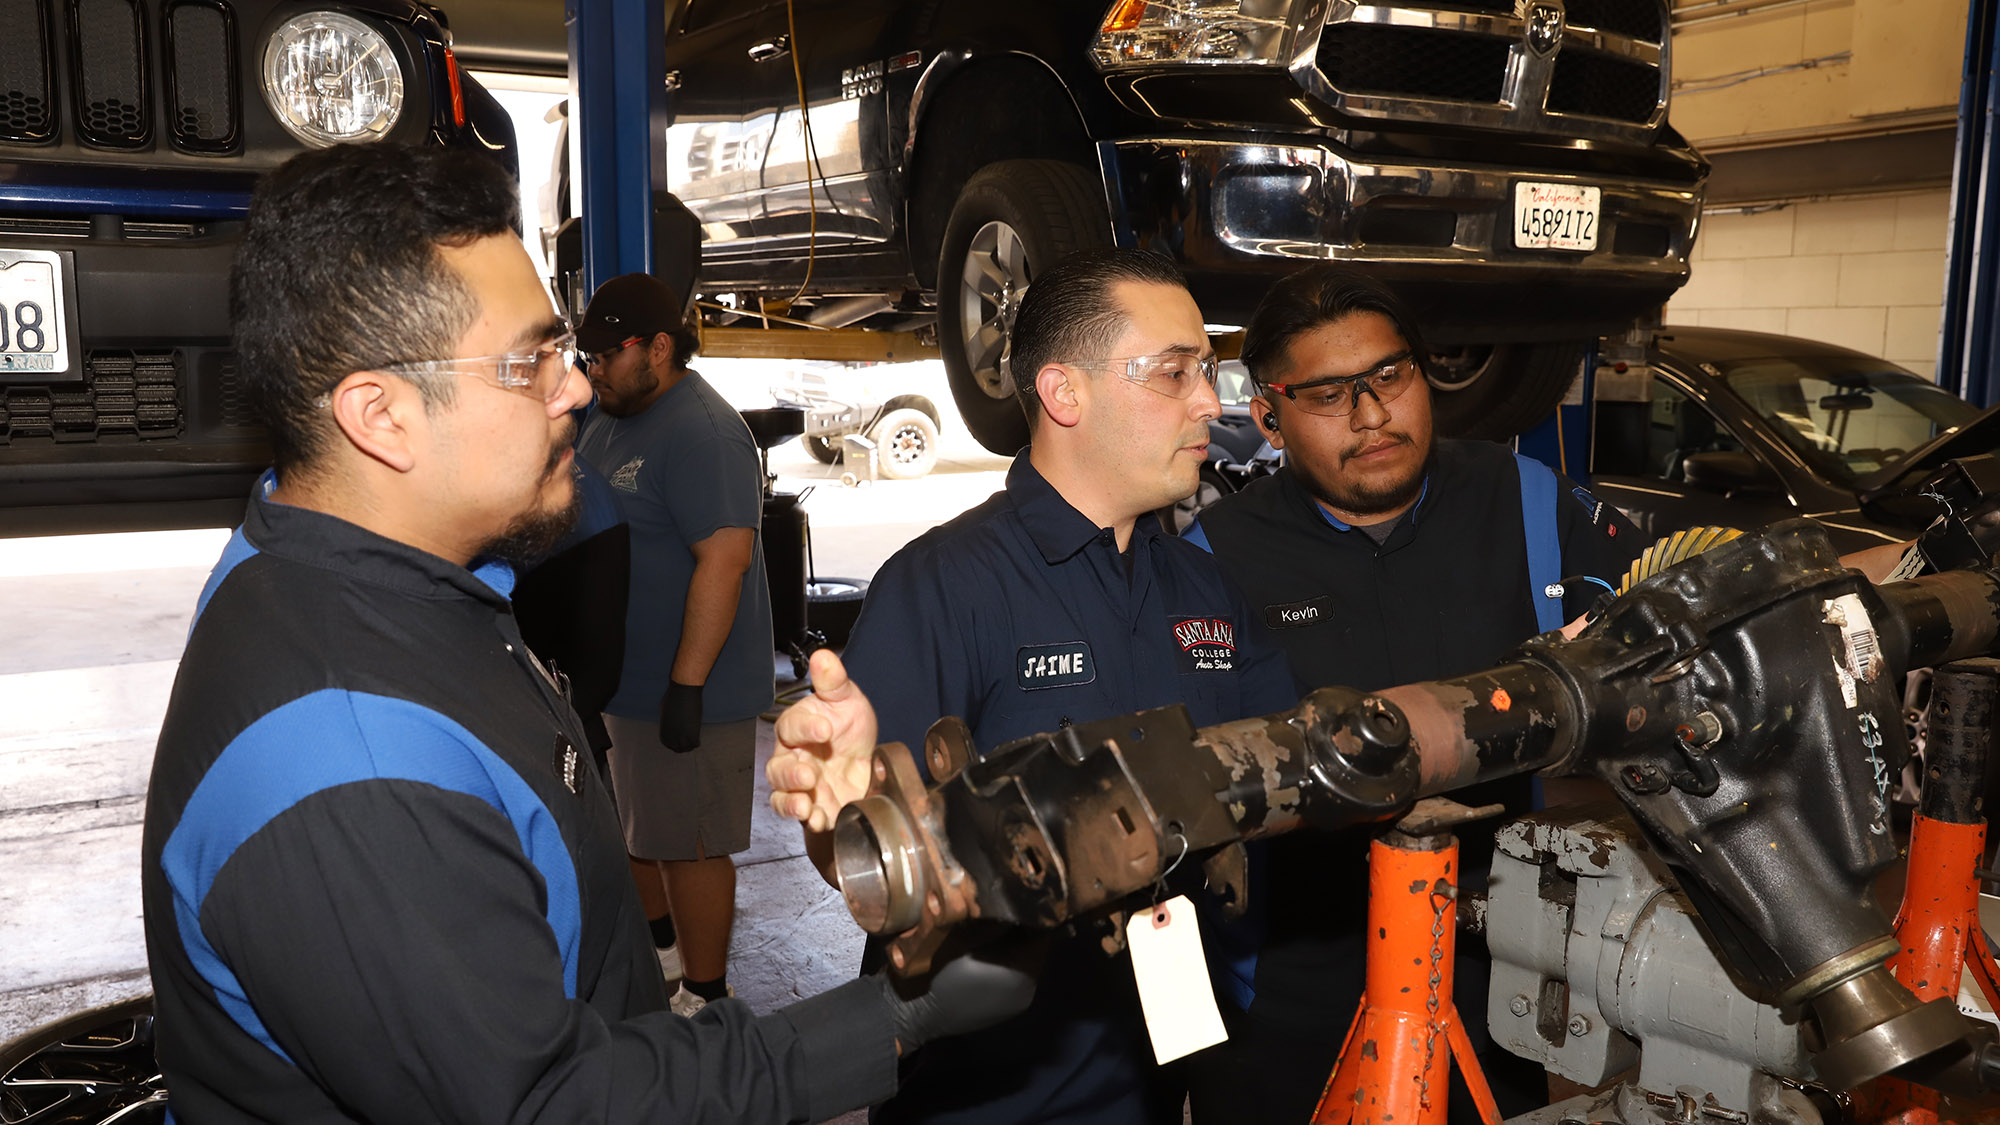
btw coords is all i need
(27, 103)
(111, 49)
(1581, 68)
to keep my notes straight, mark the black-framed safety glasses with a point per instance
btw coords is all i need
(1340, 395)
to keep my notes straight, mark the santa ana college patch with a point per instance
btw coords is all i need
(1205, 644)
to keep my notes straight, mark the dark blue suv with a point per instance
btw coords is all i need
(132, 133)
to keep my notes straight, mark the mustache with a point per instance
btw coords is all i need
(565, 438)
(1398, 438)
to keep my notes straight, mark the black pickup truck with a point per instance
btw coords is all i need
(1506, 164)
(132, 133)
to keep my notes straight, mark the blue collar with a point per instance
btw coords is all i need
(1059, 531)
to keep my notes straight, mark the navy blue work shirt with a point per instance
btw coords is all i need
(1021, 616)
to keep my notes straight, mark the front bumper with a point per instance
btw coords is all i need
(150, 426)
(1237, 215)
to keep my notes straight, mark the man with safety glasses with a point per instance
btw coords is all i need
(382, 880)
(698, 647)
(1379, 555)
(1061, 600)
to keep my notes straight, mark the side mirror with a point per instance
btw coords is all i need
(1728, 472)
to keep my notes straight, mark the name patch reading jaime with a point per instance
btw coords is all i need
(1297, 615)
(1049, 666)
(1207, 644)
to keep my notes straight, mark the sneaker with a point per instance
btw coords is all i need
(686, 1004)
(670, 962)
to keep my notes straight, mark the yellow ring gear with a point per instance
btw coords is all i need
(1676, 548)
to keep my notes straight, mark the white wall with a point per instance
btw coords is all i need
(1865, 273)
(1830, 67)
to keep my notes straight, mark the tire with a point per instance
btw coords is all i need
(1013, 220)
(1176, 518)
(832, 604)
(93, 1067)
(906, 444)
(824, 450)
(1494, 392)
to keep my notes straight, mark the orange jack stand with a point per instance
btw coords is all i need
(1395, 1065)
(1938, 924)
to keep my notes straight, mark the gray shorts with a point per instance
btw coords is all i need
(683, 806)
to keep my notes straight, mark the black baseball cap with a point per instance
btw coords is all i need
(633, 304)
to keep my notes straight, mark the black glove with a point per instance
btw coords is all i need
(973, 990)
(680, 717)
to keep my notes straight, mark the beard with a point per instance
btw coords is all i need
(1365, 498)
(644, 382)
(534, 534)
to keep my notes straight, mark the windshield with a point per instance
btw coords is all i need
(1232, 383)
(1846, 417)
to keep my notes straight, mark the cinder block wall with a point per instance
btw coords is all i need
(1864, 273)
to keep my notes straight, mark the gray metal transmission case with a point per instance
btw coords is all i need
(1595, 952)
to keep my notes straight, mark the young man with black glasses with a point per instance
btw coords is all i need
(1380, 555)
(1061, 600)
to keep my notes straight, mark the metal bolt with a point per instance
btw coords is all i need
(1579, 1026)
(1519, 1005)
(1707, 727)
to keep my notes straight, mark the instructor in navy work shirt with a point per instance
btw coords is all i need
(1060, 600)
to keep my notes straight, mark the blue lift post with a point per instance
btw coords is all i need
(618, 117)
(1968, 347)
(1562, 441)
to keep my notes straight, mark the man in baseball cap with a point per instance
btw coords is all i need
(697, 673)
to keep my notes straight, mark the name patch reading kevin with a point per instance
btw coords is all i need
(1206, 644)
(1297, 615)
(1051, 666)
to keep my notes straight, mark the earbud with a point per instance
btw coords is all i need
(1271, 420)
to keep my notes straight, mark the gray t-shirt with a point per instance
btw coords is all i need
(683, 470)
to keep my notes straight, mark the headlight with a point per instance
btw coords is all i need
(1144, 32)
(330, 78)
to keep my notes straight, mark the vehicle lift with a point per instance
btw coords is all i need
(621, 106)
(1968, 347)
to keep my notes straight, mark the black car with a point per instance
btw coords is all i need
(1738, 429)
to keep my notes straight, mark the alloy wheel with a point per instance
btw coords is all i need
(991, 285)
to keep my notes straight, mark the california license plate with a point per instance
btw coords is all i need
(1556, 216)
(34, 325)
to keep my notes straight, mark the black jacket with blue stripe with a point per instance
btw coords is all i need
(383, 881)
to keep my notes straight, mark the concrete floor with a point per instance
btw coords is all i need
(95, 626)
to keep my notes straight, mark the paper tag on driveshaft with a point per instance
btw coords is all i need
(1174, 989)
